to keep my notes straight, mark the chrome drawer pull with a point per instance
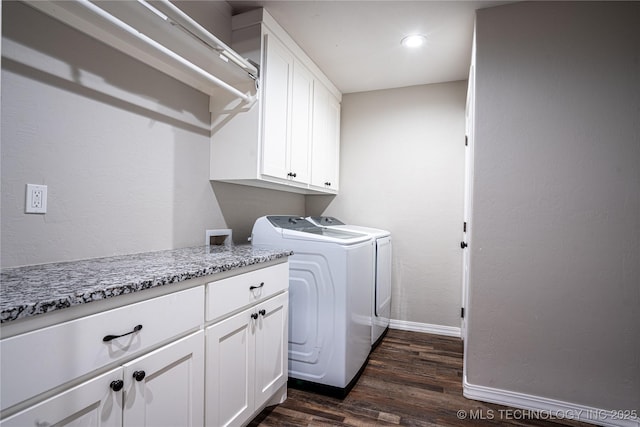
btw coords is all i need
(252, 288)
(108, 338)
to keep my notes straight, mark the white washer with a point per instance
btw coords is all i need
(381, 306)
(330, 300)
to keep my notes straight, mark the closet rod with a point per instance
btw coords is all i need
(177, 17)
(58, 10)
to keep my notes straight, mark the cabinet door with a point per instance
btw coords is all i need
(333, 150)
(271, 347)
(301, 110)
(325, 152)
(230, 370)
(90, 404)
(275, 103)
(166, 386)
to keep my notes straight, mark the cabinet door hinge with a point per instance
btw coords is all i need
(464, 226)
(466, 140)
(462, 312)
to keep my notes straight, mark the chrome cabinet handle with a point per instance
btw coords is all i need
(108, 338)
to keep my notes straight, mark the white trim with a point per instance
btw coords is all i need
(404, 325)
(546, 407)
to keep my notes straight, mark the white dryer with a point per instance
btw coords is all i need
(330, 300)
(381, 283)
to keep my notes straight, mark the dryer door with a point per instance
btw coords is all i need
(382, 294)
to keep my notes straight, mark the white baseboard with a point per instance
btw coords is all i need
(404, 325)
(544, 408)
(535, 406)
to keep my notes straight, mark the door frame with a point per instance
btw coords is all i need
(468, 204)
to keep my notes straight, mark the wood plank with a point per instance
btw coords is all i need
(412, 379)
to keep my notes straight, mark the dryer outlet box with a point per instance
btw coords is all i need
(220, 237)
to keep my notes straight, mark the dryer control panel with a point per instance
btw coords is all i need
(326, 220)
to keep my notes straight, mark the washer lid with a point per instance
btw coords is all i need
(289, 222)
(295, 227)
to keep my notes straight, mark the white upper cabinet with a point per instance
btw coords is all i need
(286, 136)
(326, 139)
(277, 88)
(289, 139)
(301, 109)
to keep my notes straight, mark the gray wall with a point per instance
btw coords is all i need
(215, 16)
(123, 149)
(402, 169)
(555, 254)
(124, 152)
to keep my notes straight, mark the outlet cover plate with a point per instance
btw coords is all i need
(36, 200)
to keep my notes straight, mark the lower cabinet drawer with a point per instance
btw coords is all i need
(35, 362)
(91, 403)
(229, 295)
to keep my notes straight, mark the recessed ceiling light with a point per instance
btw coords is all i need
(414, 40)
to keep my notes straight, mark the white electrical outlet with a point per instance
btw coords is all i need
(36, 199)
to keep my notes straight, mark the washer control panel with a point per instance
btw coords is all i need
(298, 223)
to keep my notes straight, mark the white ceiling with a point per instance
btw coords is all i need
(357, 43)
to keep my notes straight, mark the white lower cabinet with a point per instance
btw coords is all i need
(230, 364)
(212, 354)
(271, 346)
(90, 404)
(77, 348)
(246, 361)
(162, 388)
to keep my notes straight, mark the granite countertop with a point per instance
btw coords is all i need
(37, 289)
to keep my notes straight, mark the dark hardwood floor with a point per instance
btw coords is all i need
(412, 379)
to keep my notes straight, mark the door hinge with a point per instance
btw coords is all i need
(466, 140)
(462, 312)
(464, 226)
